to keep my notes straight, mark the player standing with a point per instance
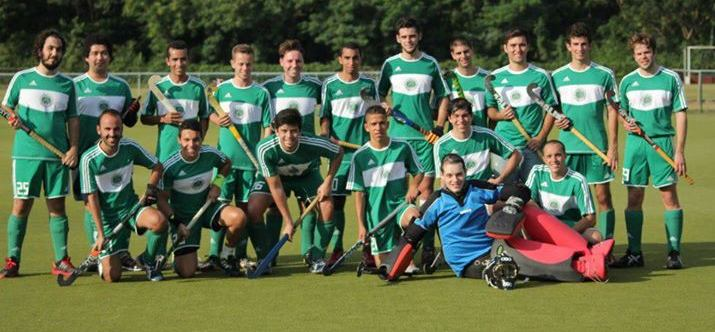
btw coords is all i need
(470, 78)
(651, 94)
(342, 114)
(581, 86)
(510, 82)
(98, 90)
(413, 76)
(45, 100)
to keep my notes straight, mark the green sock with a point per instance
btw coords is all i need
(16, 228)
(153, 244)
(337, 239)
(89, 227)
(673, 228)
(607, 223)
(217, 238)
(323, 234)
(307, 233)
(274, 221)
(634, 228)
(257, 233)
(58, 232)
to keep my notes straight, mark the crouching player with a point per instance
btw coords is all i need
(106, 178)
(378, 176)
(186, 186)
(288, 162)
(553, 250)
(563, 193)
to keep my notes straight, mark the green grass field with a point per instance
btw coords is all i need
(649, 298)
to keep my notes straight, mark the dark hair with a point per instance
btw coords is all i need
(109, 111)
(407, 22)
(376, 109)
(515, 33)
(177, 45)
(460, 104)
(642, 38)
(98, 40)
(192, 124)
(554, 141)
(578, 29)
(350, 45)
(288, 116)
(459, 41)
(42, 37)
(290, 45)
(452, 158)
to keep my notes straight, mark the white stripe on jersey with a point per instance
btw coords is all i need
(241, 113)
(516, 96)
(43, 100)
(587, 201)
(116, 180)
(293, 169)
(348, 108)
(557, 205)
(194, 184)
(189, 108)
(648, 100)
(94, 105)
(380, 175)
(476, 161)
(681, 92)
(411, 84)
(305, 105)
(581, 94)
(12, 82)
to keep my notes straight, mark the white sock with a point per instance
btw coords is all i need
(227, 251)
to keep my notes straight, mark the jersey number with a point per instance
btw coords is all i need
(22, 188)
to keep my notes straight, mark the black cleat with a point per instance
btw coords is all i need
(629, 260)
(229, 266)
(129, 263)
(673, 261)
(212, 263)
(427, 259)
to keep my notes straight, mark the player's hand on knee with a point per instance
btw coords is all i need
(182, 232)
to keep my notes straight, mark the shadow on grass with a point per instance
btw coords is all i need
(694, 255)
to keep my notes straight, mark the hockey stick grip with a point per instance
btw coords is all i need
(348, 145)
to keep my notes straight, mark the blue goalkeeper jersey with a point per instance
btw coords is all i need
(462, 222)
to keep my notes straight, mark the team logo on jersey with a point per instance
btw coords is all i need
(579, 94)
(179, 109)
(117, 179)
(515, 96)
(398, 69)
(227, 95)
(292, 170)
(636, 83)
(371, 162)
(182, 173)
(103, 105)
(646, 99)
(237, 110)
(544, 184)
(293, 104)
(553, 205)
(46, 100)
(354, 106)
(339, 93)
(87, 90)
(410, 85)
(280, 91)
(567, 79)
(504, 81)
(33, 83)
(197, 184)
(385, 174)
(281, 161)
(470, 164)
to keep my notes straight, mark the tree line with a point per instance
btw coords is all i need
(141, 29)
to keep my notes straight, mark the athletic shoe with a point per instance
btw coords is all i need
(629, 260)
(63, 267)
(153, 273)
(334, 257)
(412, 270)
(427, 258)
(11, 268)
(368, 260)
(673, 261)
(317, 266)
(229, 266)
(246, 265)
(129, 263)
(211, 263)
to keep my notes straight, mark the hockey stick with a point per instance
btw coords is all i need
(328, 270)
(530, 90)
(30, 132)
(348, 145)
(623, 114)
(94, 253)
(192, 223)
(515, 121)
(400, 117)
(153, 80)
(232, 128)
(268, 259)
(456, 86)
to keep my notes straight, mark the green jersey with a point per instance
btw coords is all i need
(412, 82)
(582, 95)
(188, 182)
(345, 108)
(273, 160)
(474, 92)
(476, 150)
(43, 103)
(111, 176)
(568, 198)
(651, 100)
(511, 85)
(93, 98)
(188, 98)
(303, 96)
(250, 111)
(382, 175)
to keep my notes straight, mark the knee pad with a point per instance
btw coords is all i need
(543, 227)
(401, 255)
(539, 260)
(505, 223)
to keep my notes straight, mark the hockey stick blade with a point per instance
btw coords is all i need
(402, 118)
(328, 270)
(82, 268)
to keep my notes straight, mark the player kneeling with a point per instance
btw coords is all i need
(106, 178)
(186, 187)
(554, 251)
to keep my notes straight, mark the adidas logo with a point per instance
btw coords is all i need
(182, 173)
(398, 68)
(544, 184)
(567, 79)
(280, 91)
(636, 84)
(87, 90)
(339, 93)
(102, 168)
(33, 83)
(454, 151)
(504, 81)
(227, 95)
(281, 161)
(371, 162)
